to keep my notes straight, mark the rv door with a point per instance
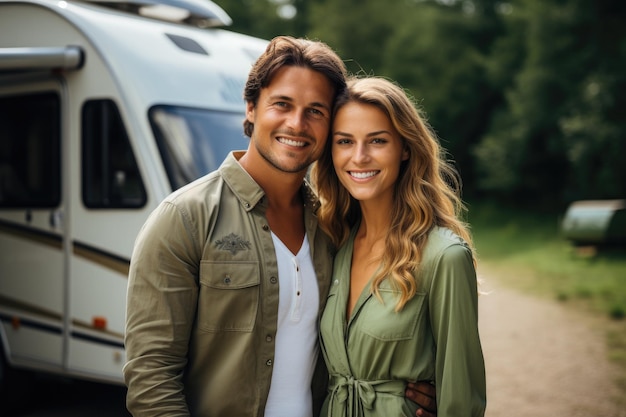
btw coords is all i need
(33, 235)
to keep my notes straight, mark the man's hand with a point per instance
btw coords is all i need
(423, 393)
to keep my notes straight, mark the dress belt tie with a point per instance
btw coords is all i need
(356, 395)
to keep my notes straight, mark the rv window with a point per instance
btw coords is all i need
(30, 158)
(110, 174)
(193, 142)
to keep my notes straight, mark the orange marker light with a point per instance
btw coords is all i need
(99, 322)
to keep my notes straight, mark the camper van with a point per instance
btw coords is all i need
(105, 109)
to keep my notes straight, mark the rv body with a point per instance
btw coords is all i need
(103, 113)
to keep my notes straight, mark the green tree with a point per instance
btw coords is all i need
(440, 55)
(267, 18)
(557, 135)
(357, 29)
(593, 123)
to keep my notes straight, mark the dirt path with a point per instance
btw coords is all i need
(543, 360)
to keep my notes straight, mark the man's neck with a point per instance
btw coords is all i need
(282, 189)
(284, 201)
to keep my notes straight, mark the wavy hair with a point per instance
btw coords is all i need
(427, 192)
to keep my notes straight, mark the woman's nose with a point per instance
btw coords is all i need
(361, 153)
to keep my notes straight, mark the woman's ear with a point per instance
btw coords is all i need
(405, 154)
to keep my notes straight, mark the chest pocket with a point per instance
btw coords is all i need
(229, 296)
(381, 322)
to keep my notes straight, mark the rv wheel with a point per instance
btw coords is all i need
(3, 377)
(13, 385)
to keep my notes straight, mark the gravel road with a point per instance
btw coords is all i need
(543, 359)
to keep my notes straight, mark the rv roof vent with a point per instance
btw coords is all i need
(187, 44)
(199, 13)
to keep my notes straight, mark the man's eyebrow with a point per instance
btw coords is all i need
(280, 97)
(290, 99)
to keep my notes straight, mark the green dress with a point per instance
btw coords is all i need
(371, 355)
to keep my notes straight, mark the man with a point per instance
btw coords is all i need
(210, 332)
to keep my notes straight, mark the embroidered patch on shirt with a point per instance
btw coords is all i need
(232, 243)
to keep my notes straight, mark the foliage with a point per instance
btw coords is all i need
(528, 96)
(447, 75)
(357, 29)
(556, 138)
(262, 18)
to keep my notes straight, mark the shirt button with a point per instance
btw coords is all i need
(269, 362)
(247, 205)
(227, 279)
(336, 282)
(273, 280)
(268, 338)
(266, 227)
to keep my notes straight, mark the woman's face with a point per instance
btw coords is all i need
(367, 152)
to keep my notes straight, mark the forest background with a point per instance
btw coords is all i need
(527, 96)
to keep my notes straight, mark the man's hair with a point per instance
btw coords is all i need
(288, 51)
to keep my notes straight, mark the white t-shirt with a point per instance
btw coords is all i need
(296, 337)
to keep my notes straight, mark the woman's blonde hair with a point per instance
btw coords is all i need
(427, 192)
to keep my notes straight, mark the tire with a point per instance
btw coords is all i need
(14, 386)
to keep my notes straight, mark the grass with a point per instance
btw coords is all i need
(527, 251)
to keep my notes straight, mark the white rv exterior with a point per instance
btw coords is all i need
(102, 114)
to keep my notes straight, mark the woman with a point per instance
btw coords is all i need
(403, 301)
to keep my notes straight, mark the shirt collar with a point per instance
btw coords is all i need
(248, 192)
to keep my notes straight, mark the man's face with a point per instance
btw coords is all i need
(291, 119)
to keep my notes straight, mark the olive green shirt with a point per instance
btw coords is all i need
(434, 337)
(203, 300)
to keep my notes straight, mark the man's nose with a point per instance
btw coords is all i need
(297, 120)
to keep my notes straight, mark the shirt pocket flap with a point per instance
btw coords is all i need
(229, 275)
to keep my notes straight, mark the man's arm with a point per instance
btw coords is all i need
(423, 393)
(161, 304)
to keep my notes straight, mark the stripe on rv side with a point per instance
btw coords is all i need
(29, 233)
(15, 310)
(87, 333)
(105, 259)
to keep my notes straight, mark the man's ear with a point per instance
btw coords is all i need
(250, 111)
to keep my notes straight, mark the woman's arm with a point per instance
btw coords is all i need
(453, 304)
